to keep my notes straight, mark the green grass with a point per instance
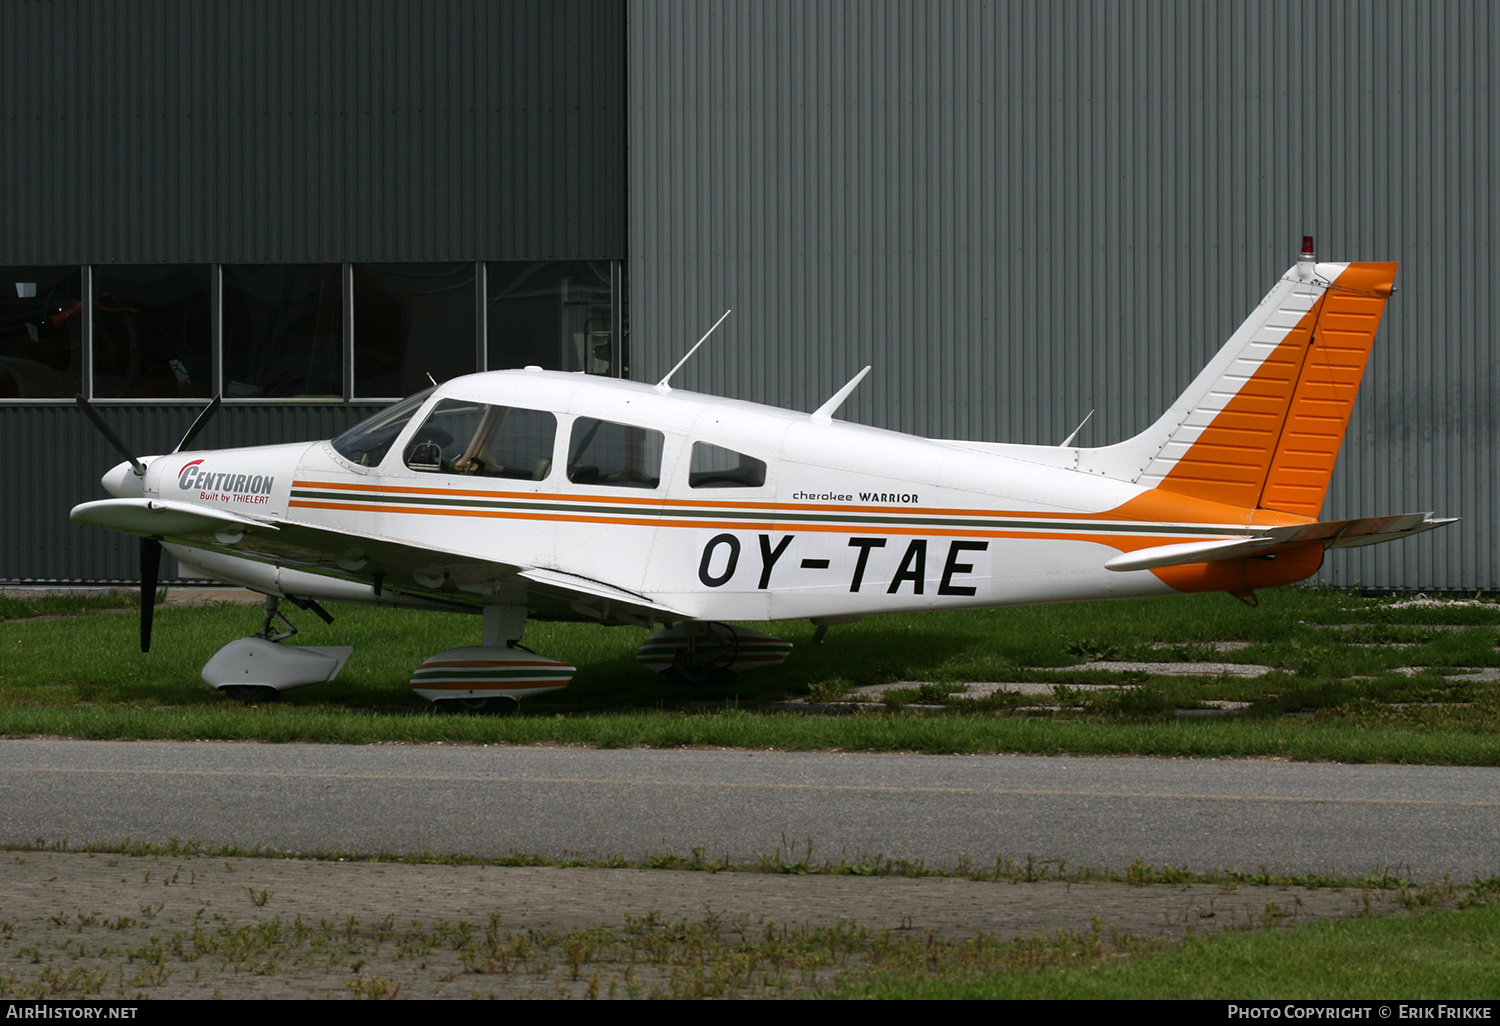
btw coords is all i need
(1453, 955)
(83, 676)
(18, 606)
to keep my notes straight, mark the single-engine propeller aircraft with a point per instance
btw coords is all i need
(536, 494)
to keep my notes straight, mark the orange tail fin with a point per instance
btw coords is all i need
(1261, 426)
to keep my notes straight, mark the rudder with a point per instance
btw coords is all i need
(1321, 406)
(1261, 425)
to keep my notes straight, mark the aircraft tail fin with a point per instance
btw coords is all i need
(1261, 426)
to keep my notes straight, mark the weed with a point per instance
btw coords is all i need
(375, 988)
(938, 694)
(1274, 914)
(1091, 650)
(834, 689)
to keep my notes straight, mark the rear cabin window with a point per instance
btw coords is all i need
(716, 467)
(602, 452)
(480, 440)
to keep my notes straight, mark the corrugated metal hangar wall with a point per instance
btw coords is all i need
(280, 131)
(289, 133)
(1019, 212)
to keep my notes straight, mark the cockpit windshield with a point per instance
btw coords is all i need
(367, 442)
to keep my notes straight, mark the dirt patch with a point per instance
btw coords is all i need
(168, 927)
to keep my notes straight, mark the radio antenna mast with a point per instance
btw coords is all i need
(662, 384)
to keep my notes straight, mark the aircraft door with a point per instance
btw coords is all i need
(480, 471)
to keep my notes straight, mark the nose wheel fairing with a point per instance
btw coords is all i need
(263, 664)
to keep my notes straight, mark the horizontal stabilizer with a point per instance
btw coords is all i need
(160, 518)
(1191, 552)
(1333, 534)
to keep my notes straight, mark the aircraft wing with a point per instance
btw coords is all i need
(158, 518)
(431, 572)
(1333, 534)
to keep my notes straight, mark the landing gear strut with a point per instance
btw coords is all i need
(711, 649)
(271, 613)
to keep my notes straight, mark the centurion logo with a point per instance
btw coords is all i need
(252, 488)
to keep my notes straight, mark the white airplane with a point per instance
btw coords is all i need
(558, 496)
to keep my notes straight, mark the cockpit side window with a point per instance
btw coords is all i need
(716, 467)
(602, 452)
(471, 438)
(367, 442)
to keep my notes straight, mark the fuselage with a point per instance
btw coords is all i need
(717, 508)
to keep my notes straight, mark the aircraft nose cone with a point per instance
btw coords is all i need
(123, 482)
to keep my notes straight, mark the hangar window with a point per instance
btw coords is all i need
(717, 467)
(290, 333)
(616, 455)
(558, 314)
(41, 328)
(283, 331)
(480, 440)
(412, 321)
(153, 331)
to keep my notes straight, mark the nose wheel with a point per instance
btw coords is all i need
(251, 694)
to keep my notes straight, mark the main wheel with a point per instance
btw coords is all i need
(480, 706)
(706, 660)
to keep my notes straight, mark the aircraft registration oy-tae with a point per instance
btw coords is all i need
(559, 496)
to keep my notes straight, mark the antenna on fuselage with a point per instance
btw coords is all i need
(662, 384)
(824, 414)
(1069, 440)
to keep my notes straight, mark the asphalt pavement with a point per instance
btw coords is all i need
(1420, 822)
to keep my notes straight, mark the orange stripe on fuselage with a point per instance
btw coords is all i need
(1121, 542)
(1154, 506)
(1239, 575)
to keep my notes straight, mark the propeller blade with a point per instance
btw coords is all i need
(198, 425)
(109, 435)
(150, 570)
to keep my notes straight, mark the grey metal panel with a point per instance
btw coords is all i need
(57, 456)
(1019, 212)
(290, 131)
